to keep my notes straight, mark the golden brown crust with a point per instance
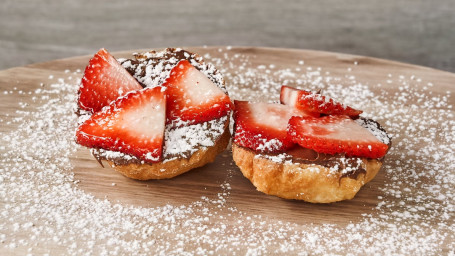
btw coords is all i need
(172, 168)
(311, 183)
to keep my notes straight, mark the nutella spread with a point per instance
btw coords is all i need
(179, 142)
(349, 166)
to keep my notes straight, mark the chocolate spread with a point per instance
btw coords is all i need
(349, 166)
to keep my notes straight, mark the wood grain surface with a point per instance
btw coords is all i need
(206, 181)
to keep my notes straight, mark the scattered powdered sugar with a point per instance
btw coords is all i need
(112, 155)
(347, 167)
(179, 142)
(374, 128)
(149, 156)
(44, 210)
(269, 145)
(279, 158)
(154, 74)
(264, 144)
(150, 69)
(189, 139)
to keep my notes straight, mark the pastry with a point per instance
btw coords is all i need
(155, 116)
(309, 147)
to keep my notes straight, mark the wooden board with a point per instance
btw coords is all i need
(206, 181)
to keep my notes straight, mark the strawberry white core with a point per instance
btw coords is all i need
(336, 134)
(341, 128)
(263, 126)
(273, 115)
(289, 96)
(199, 89)
(147, 122)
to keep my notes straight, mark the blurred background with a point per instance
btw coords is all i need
(413, 31)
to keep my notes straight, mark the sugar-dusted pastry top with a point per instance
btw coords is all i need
(151, 69)
(179, 142)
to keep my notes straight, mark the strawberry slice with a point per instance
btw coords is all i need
(315, 102)
(262, 126)
(335, 134)
(192, 97)
(133, 124)
(104, 81)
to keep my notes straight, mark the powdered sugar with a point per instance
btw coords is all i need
(269, 145)
(279, 158)
(111, 155)
(347, 167)
(375, 130)
(44, 209)
(185, 140)
(152, 68)
(339, 167)
(150, 156)
(180, 142)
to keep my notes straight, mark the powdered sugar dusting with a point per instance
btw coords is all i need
(44, 210)
(344, 166)
(179, 142)
(375, 130)
(111, 155)
(347, 167)
(188, 139)
(279, 158)
(269, 145)
(153, 68)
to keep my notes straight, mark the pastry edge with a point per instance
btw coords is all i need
(171, 168)
(309, 182)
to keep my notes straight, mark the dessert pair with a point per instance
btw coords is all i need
(164, 113)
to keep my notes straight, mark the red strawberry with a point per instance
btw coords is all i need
(192, 97)
(104, 81)
(133, 124)
(315, 102)
(335, 134)
(262, 126)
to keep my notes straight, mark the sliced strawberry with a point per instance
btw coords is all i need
(192, 97)
(335, 134)
(262, 126)
(315, 102)
(133, 124)
(104, 81)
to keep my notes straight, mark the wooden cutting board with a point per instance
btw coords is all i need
(206, 181)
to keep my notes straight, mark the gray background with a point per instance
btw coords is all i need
(413, 31)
